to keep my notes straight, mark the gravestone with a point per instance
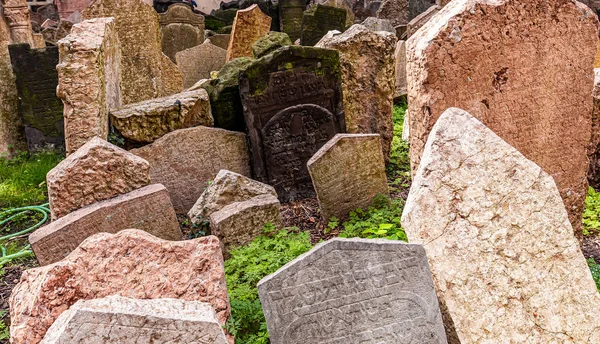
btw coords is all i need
(148, 208)
(376, 24)
(345, 5)
(397, 11)
(417, 22)
(353, 291)
(249, 25)
(416, 7)
(196, 63)
(181, 29)
(88, 80)
(131, 263)
(120, 320)
(347, 173)
(269, 43)
(505, 262)
(368, 81)
(292, 106)
(39, 107)
(185, 160)
(290, 17)
(594, 153)
(401, 83)
(507, 90)
(146, 72)
(319, 20)
(220, 40)
(66, 8)
(16, 15)
(97, 171)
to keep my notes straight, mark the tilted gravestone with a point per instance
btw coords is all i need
(350, 291)
(417, 22)
(181, 29)
(507, 90)
(249, 25)
(196, 63)
(290, 17)
(319, 20)
(502, 252)
(39, 108)
(292, 106)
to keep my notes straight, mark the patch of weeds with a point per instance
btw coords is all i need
(246, 267)
(591, 214)
(595, 269)
(380, 220)
(399, 157)
(23, 178)
(4, 331)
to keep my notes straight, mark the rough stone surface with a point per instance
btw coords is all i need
(39, 107)
(249, 25)
(395, 11)
(505, 262)
(119, 320)
(151, 119)
(353, 291)
(347, 173)
(401, 83)
(196, 63)
(319, 20)
(220, 40)
(594, 153)
(227, 188)
(290, 17)
(95, 172)
(417, 7)
(239, 223)
(269, 43)
(67, 8)
(185, 160)
(181, 29)
(368, 81)
(551, 125)
(341, 4)
(17, 17)
(417, 22)
(376, 24)
(88, 80)
(131, 263)
(287, 128)
(148, 209)
(146, 72)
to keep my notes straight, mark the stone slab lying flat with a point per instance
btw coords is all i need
(351, 291)
(148, 209)
(121, 320)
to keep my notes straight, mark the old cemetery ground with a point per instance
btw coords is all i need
(22, 185)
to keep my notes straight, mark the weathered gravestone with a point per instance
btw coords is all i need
(394, 10)
(249, 25)
(269, 43)
(120, 320)
(88, 80)
(146, 72)
(345, 5)
(39, 107)
(347, 173)
(220, 40)
(594, 153)
(16, 15)
(350, 291)
(131, 263)
(505, 262)
(507, 90)
(417, 22)
(181, 29)
(293, 106)
(185, 160)
(376, 24)
(196, 63)
(401, 83)
(97, 171)
(368, 80)
(290, 17)
(319, 20)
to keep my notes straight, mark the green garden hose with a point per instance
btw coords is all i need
(10, 214)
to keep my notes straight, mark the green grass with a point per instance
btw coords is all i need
(23, 179)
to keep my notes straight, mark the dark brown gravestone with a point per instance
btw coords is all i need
(292, 106)
(319, 20)
(181, 29)
(290, 17)
(39, 108)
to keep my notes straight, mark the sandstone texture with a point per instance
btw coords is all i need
(196, 63)
(88, 80)
(131, 264)
(17, 15)
(146, 72)
(351, 291)
(347, 173)
(185, 160)
(401, 84)
(120, 320)
(545, 115)
(97, 171)
(368, 80)
(148, 209)
(505, 262)
(239, 223)
(220, 40)
(249, 25)
(151, 119)
(594, 153)
(269, 43)
(227, 188)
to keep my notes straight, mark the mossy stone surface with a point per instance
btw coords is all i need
(269, 43)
